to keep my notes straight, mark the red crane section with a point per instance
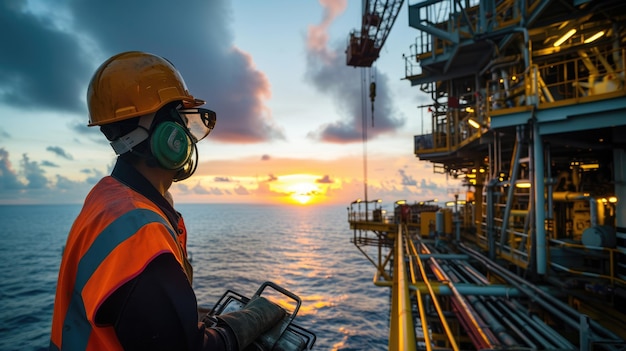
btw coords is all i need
(376, 22)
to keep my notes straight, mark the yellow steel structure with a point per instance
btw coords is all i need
(415, 257)
(401, 332)
(406, 279)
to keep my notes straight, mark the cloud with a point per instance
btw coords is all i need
(222, 179)
(199, 189)
(81, 129)
(35, 178)
(271, 178)
(8, 177)
(327, 70)
(201, 47)
(60, 45)
(42, 65)
(94, 175)
(324, 180)
(49, 164)
(4, 135)
(180, 188)
(216, 191)
(427, 184)
(407, 180)
(317, 37)
(66, 183)
(265, 157)
(59, 152)
(263, 190)
(241, 190)
(29, 185)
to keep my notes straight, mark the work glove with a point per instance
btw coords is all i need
(247, 324)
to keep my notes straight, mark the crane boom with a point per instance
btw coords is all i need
(378, 18)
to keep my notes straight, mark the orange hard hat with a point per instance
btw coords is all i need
(133, 84)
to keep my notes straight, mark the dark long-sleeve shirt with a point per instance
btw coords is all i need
(157, 310)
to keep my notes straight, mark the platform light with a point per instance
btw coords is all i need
(594, 37)
(472, 122)
(565, 37)
(588, 166)
(613, 199)
(469, 109)
(523, 185)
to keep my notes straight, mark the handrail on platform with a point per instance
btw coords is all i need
(402, 331)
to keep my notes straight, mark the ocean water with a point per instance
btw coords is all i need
(304, 249)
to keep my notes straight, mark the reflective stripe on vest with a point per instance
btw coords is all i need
(76, 331)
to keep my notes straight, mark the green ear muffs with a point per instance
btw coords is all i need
(170, 145)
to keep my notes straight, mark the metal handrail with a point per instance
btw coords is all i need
(413, 250)
(401, 332)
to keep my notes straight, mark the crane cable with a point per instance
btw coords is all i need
(364, 132)
(372, 96)
(372, 92)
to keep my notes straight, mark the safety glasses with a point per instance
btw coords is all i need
(199, 121)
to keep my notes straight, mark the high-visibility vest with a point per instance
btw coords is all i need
(115, 236)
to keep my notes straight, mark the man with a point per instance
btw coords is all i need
(125, 281)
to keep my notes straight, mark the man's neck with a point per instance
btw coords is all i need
(161, 179)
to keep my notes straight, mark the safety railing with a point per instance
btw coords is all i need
(609, 255)
(515, 246)
(593, 75)
(366, 211)
(453, 126)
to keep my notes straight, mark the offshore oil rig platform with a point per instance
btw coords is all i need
(528, 109)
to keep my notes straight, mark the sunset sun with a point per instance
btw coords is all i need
(303, 193)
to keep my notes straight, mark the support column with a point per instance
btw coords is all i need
(540, 200)
(619, 160)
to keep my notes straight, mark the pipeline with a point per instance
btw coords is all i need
(444, 323)
(481, 336)
(549, 333)
(493, 310)
(558, 308)
(495, 326)
(534, 328)
(540, 331)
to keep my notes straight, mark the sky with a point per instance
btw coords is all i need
(289, 110)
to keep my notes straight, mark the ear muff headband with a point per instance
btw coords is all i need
(170, 145)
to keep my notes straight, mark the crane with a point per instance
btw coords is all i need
(376, 22)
